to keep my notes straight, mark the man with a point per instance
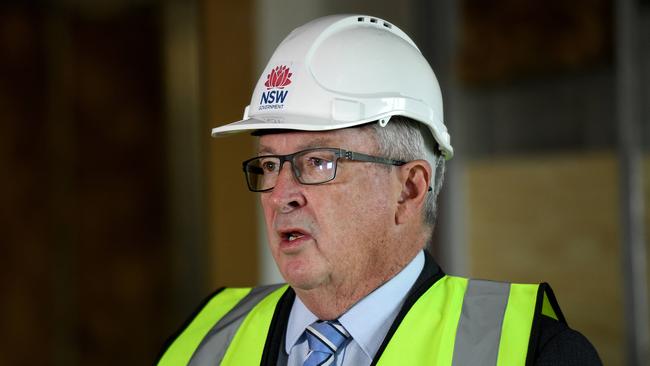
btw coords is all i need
(351, 156)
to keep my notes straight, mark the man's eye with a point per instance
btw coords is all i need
(269, 166)
(314, 161)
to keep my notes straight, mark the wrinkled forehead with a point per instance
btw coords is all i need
(289, 141)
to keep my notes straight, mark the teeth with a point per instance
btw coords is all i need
(294, 236)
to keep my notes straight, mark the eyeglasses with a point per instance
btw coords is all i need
(311, 166)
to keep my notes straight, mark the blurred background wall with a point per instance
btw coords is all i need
(119, 213)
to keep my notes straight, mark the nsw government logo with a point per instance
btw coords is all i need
(275, 94)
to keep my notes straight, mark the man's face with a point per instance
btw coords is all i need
(337, 234)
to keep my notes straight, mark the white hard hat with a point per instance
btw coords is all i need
(341, 71)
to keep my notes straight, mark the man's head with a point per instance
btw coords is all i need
(350, 234)
(344, 218)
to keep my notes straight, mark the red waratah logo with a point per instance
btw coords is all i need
(279, 77)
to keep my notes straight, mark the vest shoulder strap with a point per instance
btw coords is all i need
(213, 348)
(425, 336)
(459, 321)
(479, 328)
(207, 337)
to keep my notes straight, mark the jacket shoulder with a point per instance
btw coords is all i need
(561, 345)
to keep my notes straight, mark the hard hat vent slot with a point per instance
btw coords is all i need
(375, 21)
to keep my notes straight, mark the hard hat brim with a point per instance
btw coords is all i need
(304, 123)
(301, 123)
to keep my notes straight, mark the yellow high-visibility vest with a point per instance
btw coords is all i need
(456, 321)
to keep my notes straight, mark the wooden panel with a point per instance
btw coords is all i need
(24, 196)
(553, 219)
(119, 186)
(83, 205)
(507, 39)
(228, 85)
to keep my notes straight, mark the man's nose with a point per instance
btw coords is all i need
(287, 194)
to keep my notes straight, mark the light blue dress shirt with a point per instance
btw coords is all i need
(368, 321)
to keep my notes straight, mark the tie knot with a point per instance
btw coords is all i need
(325, 338)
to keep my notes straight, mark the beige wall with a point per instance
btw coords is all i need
(555, 219)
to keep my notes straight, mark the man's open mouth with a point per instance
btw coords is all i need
(293, 235)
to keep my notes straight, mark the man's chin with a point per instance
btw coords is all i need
(302, 281)
(304, 271)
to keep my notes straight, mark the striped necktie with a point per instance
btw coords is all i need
(325, 338)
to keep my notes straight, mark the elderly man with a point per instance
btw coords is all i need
(350, 159)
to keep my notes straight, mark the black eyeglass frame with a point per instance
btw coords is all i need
(338, 153)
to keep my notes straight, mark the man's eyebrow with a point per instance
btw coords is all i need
(263, 150)
(318, 142)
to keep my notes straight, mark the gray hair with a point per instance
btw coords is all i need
(406, 139)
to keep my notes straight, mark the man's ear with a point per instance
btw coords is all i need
(415, 179)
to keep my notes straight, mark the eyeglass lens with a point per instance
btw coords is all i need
(309, 167)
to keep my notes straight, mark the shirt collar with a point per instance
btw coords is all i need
(299, 318)
(369, 319)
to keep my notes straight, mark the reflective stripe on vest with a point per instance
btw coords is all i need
(465, 322)
(248, 344)
(479, 328)
(455, 322)
(180, 351)
(211, 332)
(496, 319)
(212, 351)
